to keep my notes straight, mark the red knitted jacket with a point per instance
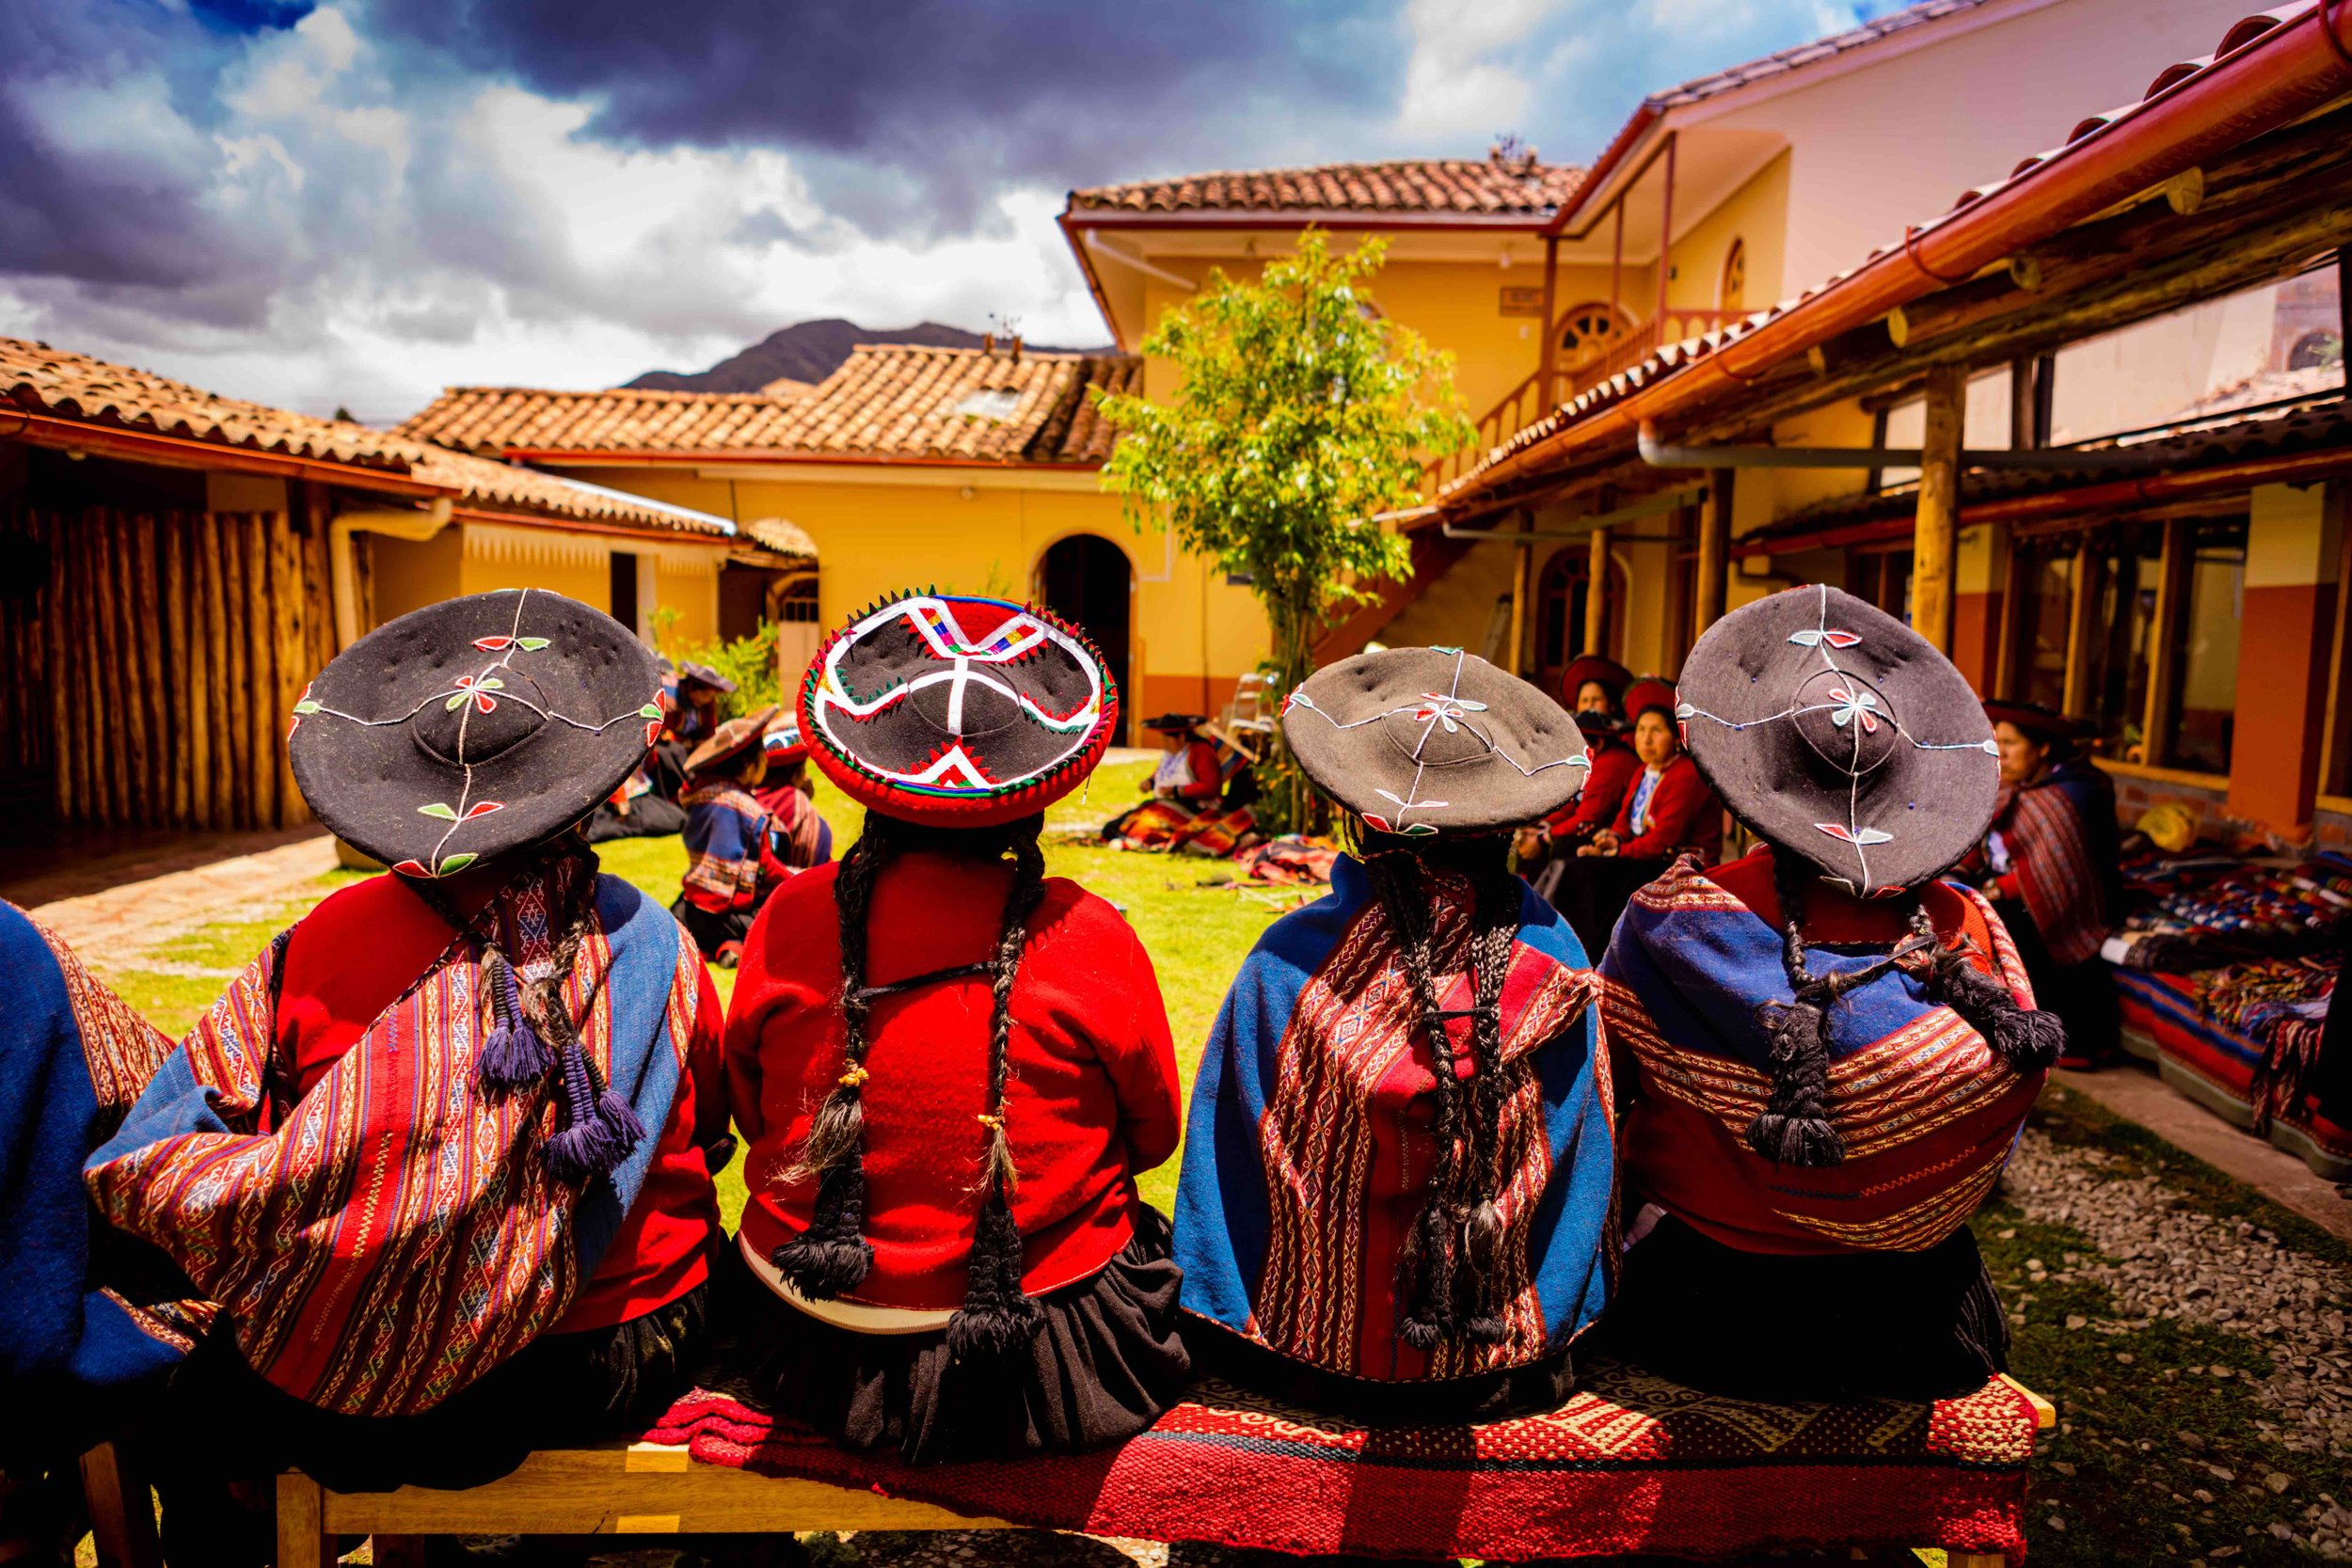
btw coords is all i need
(1607, 784)
(1092, 1097)
(1683, 815)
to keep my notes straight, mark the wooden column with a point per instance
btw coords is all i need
(1936, 532)
(1522, 569)
(209, 646)
(1597, 599)
(2081, 625)
(291, 658)
(260, 758)
(1711, 579)
(66, 767)
(2014, 570)
(1545, 397)
(1665, 246)
(2164, 637)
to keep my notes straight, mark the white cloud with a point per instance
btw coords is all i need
(1452, 87)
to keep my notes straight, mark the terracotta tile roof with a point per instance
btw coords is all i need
(782, 536)
(1673, 357)
(1493, 187)
(39, 379)
(1785, 60)
(885, 400)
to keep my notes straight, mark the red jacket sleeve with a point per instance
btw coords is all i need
(1206, 781)
(1607, 784)
(1678, 809)
(705, 1065)
(1140, 1058)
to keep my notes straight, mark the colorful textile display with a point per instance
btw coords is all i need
(1631, 1464)
(2208, 914)
(2281, 1002)
(400, 1230)
(1926, 1110)
(73, 1056)
(1308, 1148)
(1292, 860)
(2250, 1081)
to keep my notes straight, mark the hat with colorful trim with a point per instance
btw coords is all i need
(730, 740)
(1835, 731)
(473, 728)
(1419, 741)
(785, 743)
(956, 711)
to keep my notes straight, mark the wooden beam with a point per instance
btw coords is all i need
(1711, 579)
(2080, 628)
(1547, 352)
(1597, 599)
(2014, 566)
(1666, 235)
(2021, 404)
(1936, 533)
(2164, 635)
(1522, 572)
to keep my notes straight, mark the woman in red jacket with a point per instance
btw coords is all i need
(1669, 809)
(951, 1068)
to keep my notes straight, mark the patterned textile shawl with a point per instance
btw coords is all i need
(1928, 1112)
(2060, 832)
(73, 1056)
(723, 830)
(1307, 1148)
(396, 1234)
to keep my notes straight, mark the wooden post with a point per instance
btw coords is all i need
(1936, 532)
(236, 673)
(1711, 578)
(122, 1512)
(2164, 636)
(1616, 269)
(1545, 398)
(170, 546)
(65, 765)
(208, 646)
(2081, 625)
(292, 658)
(1522, 568)
(302, 1538)
(2023, 432)
(110, 725)
(261, 673)
(2014, 570)
(143, 667)
(1665, 246)
(1597, 599)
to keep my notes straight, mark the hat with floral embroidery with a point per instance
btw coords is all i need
(1419, 741)
(474, 728)
(1834, 731)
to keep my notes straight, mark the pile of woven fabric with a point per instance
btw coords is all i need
(2282, 1004)
(2209, 911)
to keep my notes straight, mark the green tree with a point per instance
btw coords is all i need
(1302, 413)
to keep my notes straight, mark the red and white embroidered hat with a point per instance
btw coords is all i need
(956, 711)
(473, 728)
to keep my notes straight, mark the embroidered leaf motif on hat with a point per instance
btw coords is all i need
(1863, 837)
(1417, 829)
(413, 869)
(483, 808)
(1379, 822)
(306, 706)
(1813, 637)
(651, 710)
(532, 644)
(456, 863)
(492, 644)
(445, 812)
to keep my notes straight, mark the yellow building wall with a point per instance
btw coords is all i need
(1756, 214)
(1193, 633)
(405, 573)
(478, 558)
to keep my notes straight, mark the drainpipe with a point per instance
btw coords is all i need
(342, 559)
(1648, 506)
(1660, 455)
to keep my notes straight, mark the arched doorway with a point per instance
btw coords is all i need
(1561, 606)
(1085, 581)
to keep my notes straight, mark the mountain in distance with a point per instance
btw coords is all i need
(807, 351)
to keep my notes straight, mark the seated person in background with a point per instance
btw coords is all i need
(491, 1077)
(952, 1068)
(730, 865)
(1614, 767)
(1201, 791)
(1396, 1200)
(1593, 684)
(694, 715)
(2055, 857)
(1191, 769)
(1824, 1053)
(1669, 808)
(798, 834)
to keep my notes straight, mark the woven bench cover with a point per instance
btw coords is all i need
(1632, 1463)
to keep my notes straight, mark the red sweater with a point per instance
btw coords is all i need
(1092, 1099)
(352, 955)
(1607, 782)
(1683, 815)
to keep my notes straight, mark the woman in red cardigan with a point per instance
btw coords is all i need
(950, 1069)
(1669, 809)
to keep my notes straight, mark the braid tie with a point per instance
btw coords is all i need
(998, 1313)
(2030, 1039)
(514, 1057)
(600, 1130)
(832, 1254)
(1794, 1128)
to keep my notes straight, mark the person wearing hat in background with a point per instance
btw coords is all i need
(1591, 687)
(1667, 808)
(2053, 860)
(694, 713)
(1825, 1053)
(951, 1068)
(798, 834)
(731, 867)
(1396, 1199)
(1201, 786)
(492, 1079)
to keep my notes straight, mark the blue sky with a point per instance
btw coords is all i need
(361, 201)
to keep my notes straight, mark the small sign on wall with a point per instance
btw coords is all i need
(1522, 300)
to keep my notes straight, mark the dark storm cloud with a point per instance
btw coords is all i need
(954, 101)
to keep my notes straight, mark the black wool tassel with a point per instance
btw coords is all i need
(1428, 1265)
(2028, 1040)
(1794, 1128)
(832, 1254)
(997, 1315)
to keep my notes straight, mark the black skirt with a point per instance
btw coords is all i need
(1523, 1390)
(1108, 1362)
(1592, 891)
(712, 931)
(1907, 1325)
(2082, 994)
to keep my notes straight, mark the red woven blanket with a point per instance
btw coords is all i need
(1632, 1463)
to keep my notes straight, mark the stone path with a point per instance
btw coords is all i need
(115, 927)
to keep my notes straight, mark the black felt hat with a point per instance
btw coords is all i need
(2047, 724)
(956, 711)
(1434, 740)
(730, 740)
(1835, 731)
(473, 728)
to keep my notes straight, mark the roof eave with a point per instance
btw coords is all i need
(1324, 217)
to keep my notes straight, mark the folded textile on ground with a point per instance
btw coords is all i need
(1632, 1463)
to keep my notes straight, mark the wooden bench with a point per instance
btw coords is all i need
(640, 1489)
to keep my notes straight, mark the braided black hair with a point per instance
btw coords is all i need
(832, 1254)
(533, 1030)
(1794, 1127)
(1450, 1268)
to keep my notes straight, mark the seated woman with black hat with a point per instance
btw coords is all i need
(2053, 857)
(1825, 1053)
(1396, 1200)
(1594, 687)
(798, 834)
(731, 867)
(441, 1155)
(951, 1068)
